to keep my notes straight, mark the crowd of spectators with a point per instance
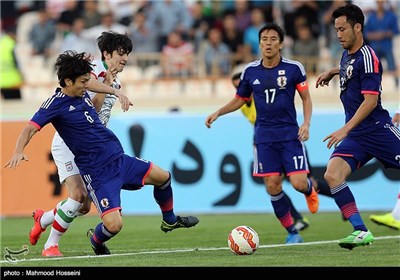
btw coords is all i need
(186, 37)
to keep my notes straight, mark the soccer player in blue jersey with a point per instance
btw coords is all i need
(115, 49)
(279, 149)
(368, 131)
(99, 155)
(249, 111)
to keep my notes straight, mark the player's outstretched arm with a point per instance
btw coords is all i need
(99, 87)
(23, 140)
(211, 118)
(123, 99)
(231, 106)
(110, 75)
(325, 77)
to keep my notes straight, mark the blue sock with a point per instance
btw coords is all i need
(101, 235)
(164, 198)
(309, 188)
(345, 201)
(282, 211)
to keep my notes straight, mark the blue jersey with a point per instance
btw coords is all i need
(361, 73)
(274, 91)
(78, 124)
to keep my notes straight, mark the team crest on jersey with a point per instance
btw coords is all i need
(349, 71)
(281, 81)
(104, 202)
(68, 166)
(89, 102)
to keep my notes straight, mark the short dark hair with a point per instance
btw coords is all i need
(353, 14)
(272, 26)
(71, 65)
(110, 41)
(236, 76)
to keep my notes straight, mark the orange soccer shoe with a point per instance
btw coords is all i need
(36, 230)
(313, 201)
(52, 251)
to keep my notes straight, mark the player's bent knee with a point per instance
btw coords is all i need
(332, 178)
(83, 210)
(114, 227)
(300, 185)
(113, 221)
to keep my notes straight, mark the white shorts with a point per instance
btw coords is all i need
(63, 158)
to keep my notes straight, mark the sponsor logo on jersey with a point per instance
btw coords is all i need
(256, 82)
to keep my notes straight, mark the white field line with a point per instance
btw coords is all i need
(177, 251)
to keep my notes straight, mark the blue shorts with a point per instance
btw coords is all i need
(382, 144)
(277, 158)
(104, 187)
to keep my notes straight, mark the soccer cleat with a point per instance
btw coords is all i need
(312, 201)
(100, 249)
(294, 238)
(357, 238)
(52, 251)
(301, 224)
(36, 230)
(182, 222)
(386, 220)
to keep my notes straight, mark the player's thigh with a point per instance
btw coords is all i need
(337, 170)
(352, 151)
(267, 160)
(134, 171)
(294, 157)
(384, 144)
(105, 193)
(64, 160)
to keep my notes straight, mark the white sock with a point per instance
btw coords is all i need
(48, 217)
(60, 225)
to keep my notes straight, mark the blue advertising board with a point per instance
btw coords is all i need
(211, 167)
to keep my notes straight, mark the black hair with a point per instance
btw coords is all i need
(110, 41)
(353, 14)
(272, 26)
(71, 65)
(236, 76)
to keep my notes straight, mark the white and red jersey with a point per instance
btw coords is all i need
(99, 73)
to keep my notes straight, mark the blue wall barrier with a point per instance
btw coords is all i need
(211, 168)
